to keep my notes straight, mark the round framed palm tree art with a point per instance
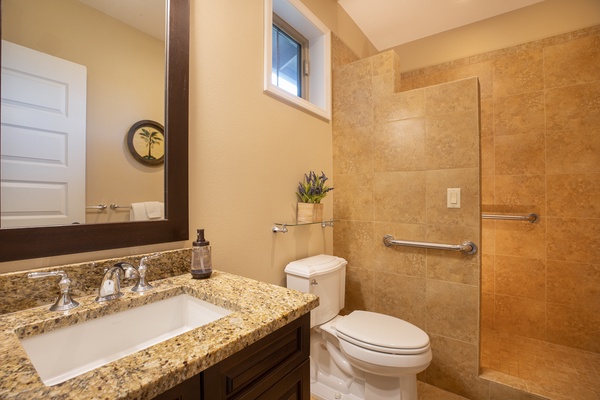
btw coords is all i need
(146, 142)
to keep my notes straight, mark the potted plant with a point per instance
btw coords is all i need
(310, 193)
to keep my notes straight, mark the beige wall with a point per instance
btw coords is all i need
(247, 150)
(544, 19)
(125, 75)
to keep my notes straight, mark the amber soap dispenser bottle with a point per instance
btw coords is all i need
(201, 257)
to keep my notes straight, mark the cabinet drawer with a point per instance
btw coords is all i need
(262, 364)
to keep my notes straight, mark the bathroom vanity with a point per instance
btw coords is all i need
(259, 350)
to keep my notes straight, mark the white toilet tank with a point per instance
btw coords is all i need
(324, 276)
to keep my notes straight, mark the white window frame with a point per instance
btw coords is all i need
(298, 16)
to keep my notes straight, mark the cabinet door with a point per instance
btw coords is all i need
(254, 370)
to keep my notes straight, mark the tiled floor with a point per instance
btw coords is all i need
(553, 371)
(428, 392)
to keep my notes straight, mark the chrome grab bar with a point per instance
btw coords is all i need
(531, 217)
(466, 247)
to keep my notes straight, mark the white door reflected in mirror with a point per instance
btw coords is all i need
(43, 139)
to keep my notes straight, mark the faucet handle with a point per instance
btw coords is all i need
(64, 302)
(143, 286)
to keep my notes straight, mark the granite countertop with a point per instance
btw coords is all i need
(258, 309)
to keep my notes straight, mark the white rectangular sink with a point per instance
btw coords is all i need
(67, 352)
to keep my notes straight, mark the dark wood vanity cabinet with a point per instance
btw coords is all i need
(275, 367)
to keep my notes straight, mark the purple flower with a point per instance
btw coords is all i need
(313, 189)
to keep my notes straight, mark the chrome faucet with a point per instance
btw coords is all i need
(64, 302)
(110, 288)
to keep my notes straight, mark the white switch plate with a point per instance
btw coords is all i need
(453, 197)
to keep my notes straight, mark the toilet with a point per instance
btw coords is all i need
(363, 355)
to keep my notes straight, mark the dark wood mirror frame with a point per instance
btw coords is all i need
(27, 243)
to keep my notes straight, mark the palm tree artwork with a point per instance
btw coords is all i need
(151, 138)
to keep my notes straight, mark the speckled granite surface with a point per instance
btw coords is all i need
(20, 293)
(258, 309)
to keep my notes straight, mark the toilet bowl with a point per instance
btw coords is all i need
(364, 355)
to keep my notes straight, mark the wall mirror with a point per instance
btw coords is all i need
(38, 241)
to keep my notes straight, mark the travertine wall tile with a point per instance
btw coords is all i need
(438, 181)
(522, 240)
(352, 149)
(487, 311)
(520, 316)
(482, 70)
(574, 284)
(398, 259)
(574, 196)
(354, 72)
(519, 72)
(401, 296)
(521, 193)
(452, 310)
(520, 277)
(449, 140)
(354, 199)
(486, 117)
(503, 392)
(340, 53)
(573, 152)
(455, 368)
(581, 58)
(574, 107)
(575, 240)
(360, 290)
(399, 106)
(384, 63)
(452, 97)
(487, 156)
(540, 152)
(487, 273)
(383, 85)
(574, 327)
(399, 197)
(522, 113)
(399, 145)
(487, 189)
(453, 266)
(521, 154)
(348, 233)
(488, 236)
(352, 104)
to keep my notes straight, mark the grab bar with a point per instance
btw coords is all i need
(465, 247)
(531, 217)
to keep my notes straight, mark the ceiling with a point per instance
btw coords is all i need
(390, 23)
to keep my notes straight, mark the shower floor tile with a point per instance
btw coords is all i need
(553, 371)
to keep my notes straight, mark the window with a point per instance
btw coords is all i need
(290, 63)
(293, 36)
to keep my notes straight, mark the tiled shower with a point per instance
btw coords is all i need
(535, 300)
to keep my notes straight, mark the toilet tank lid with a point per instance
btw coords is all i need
(315, 265)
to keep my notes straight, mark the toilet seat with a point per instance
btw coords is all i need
(382, 333)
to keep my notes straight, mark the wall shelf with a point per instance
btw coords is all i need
(282, 227)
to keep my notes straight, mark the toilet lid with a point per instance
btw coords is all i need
(383, 333)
